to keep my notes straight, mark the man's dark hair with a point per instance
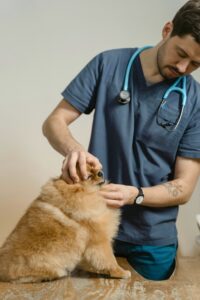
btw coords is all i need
(187, 20)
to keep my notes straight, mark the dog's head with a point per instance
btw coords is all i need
(94, 180)
(95, 176)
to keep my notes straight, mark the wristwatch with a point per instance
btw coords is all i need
(140, 196)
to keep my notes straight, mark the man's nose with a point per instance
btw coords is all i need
(182, 65)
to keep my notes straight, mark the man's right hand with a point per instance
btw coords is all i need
(78, 159)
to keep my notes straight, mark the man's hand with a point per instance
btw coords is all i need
(78, 159)
(118, 195)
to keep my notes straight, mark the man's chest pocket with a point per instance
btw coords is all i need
(161, 125)
(170, 113)
(155, 129)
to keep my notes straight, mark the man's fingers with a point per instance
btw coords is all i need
(112, 195)
(75, 166)
(65, 174)
(72, 167)
(113, 199)
(69, 168)
(109, 187)
(67, 178)
(82, 165)
(114, 203)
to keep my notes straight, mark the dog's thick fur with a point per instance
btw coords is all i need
(68, 224)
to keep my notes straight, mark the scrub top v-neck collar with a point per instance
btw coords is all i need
(141, 80)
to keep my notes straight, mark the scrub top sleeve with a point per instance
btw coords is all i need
(81, 92)
(190, 143)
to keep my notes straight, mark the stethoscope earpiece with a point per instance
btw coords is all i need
(124, 97)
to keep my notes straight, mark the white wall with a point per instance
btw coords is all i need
(44, 43)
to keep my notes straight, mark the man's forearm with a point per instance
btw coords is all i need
(175, 192)
(59, 136)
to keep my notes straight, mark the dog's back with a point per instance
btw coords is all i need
(40, 245)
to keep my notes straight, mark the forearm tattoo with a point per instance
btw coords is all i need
(174, 189)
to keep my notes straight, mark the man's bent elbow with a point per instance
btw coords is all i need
(48, 125)
(45, 127)
(185, 198)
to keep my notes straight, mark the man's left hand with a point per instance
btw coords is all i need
(118, 195)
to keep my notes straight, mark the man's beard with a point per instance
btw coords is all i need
(161, 69)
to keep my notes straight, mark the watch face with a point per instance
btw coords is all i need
(139, 199)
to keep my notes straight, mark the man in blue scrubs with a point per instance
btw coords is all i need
(152, 168)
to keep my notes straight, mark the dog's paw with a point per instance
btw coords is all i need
(120, 273)
(127, 274)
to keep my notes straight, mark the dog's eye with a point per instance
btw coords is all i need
(100, 174)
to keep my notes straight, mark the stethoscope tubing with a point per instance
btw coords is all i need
(174, 88)
(130, 63)
(125, 93)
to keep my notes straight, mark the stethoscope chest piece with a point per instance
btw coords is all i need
(124, 97)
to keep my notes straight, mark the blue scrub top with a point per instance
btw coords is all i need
(132, 147)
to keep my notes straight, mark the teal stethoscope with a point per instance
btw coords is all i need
(124, 96)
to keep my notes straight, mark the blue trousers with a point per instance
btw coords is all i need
(152, 262)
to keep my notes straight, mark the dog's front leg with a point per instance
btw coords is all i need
(101, 258)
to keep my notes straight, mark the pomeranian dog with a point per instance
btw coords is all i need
(68, 225)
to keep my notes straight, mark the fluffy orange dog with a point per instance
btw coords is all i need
(68, 224)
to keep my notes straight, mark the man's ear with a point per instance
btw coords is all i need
(167, 30)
